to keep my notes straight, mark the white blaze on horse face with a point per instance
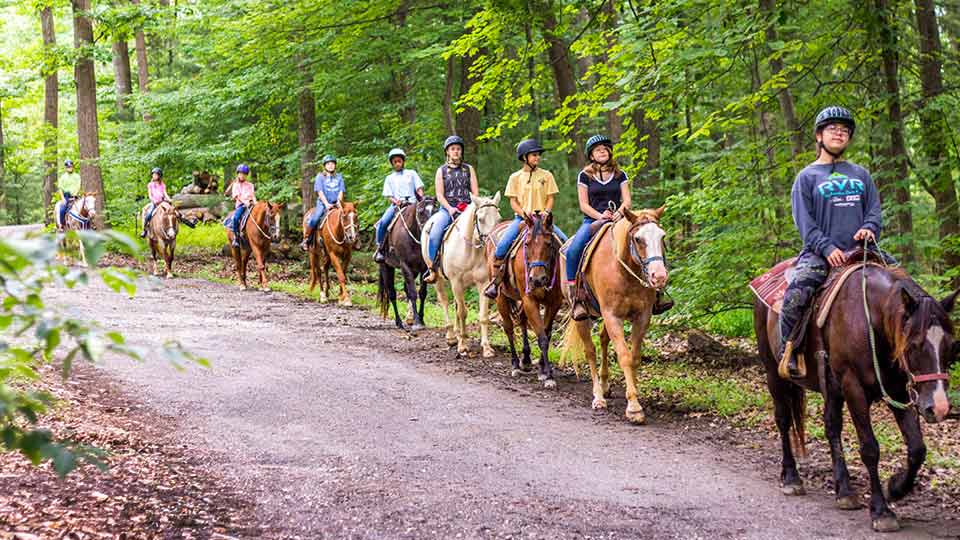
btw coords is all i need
(652, 236)
(941, 405)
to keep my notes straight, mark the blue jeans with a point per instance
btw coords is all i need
(575, 249)
(385, 222)
(237, 216)
(436, 233)
(65, 207)
(513, 231)
(317, 216)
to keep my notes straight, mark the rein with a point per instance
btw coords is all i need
(635, 256)
(476, 225)
(344, 227)
(257, 224)
(912, 379)
(406, 227)
(536, 264)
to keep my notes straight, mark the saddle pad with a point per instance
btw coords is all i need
(592, 246)
(771, 286)
(832, 289)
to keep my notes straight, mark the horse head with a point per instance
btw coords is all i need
(274, 210)
(540, 250)
(486, 216)
(348, 220)
(86, 205)
(425, 208)
(646, 244)
(169, 218)
(925, 347)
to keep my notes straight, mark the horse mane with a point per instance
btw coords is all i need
(908, 327)
(537, 225)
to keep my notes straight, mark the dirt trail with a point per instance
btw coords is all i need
(338, 426)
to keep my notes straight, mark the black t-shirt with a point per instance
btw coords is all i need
(600, 194)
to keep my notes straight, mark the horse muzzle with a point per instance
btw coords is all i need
(658, 275)
(935, 406)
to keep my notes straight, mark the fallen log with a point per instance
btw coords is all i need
(192, 200)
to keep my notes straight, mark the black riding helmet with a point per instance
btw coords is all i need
(592, 143)
(835, 114)
(156, 170)
(528, 146)
(452, 140)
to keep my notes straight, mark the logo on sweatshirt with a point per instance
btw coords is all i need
(840, 185)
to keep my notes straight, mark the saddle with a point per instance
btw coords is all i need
(446, 235)
(598, 229)
(228, 221)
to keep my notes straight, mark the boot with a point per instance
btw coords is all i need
(307, 240)
(578, 311)
(431, 276)
(236, 240)
(663, 302)
(494, 286)
(379, 256)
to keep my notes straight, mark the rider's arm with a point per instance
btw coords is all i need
(474, 183)
(873, 217)
(517, 207)
(803, 216)
(549, 205)
(441, 195)
(625, 198)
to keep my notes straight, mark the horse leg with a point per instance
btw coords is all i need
(461, 316)
(423, 298)
(171, 247)
(444, 302)
(604, 361)
(847, 499)
(614, 327)
(543, 340)
(884, 520)
(339, 268)
(527, 363)
(532, 310)
(583, 329)
(901, 484)
(410, 287)
(241, 259)
(324, 277)
(484, 323)
(506, 319)
(261, 268)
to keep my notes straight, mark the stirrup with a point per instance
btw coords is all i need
(305, 244)
(430, 277)
(662, 305)
(792, 366)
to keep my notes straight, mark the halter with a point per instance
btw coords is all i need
(350, 226)
(84, 221)
(536, 264)
(272, 227)
(482, 236)
(644, 263)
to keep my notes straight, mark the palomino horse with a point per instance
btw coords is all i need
(339, 233)
(624, 273)
(901, 356)
(403, 253)
(162, 235)
(532, 282)
(263, 226)
(79, 217)
(464, 265)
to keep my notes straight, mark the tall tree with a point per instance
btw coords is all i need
(468, 118)
(122, 74)
(51, 98)
(88, 132)
(563, 74)
(307, 136)
(933, 136)
(143, 71)
(3, 171)
(787, 109)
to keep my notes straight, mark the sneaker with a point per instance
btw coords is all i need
(305, 245)
(378, 256)
(431, 277)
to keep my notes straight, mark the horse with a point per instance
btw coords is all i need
(625, 271)
(162, 236)
(532, 283)
(403, 253)
(463, 264)
(339, 233)
(263, 226)
(79, 217)
(884, 338)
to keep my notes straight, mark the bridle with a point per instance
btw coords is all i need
(273, 224)
(635, 257)
(481, 236)
(416, 219)
(350, 225)
(539, 264)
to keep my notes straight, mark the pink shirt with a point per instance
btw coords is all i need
(157, 192)
(243, 192)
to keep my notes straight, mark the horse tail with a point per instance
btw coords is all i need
(383, 292)
(797, 401)
(573, 351)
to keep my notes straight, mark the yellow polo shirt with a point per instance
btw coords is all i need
(532, 190)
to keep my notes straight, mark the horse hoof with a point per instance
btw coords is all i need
(514, 372)
(793, 490)
(462, 351)
(850, 502)
(599, 404)
(636, 417)
(417, 327)
(488, 352)
(346, 303)
(452, 341)
(265, 289)
(886, 524)
(550, 384)
(169, 275)
(323, 298)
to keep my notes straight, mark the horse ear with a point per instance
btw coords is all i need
(659, 211)
(949, 302)
(631, 217)
(909, 302)
(496, 198)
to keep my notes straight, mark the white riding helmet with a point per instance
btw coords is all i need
(396, 152)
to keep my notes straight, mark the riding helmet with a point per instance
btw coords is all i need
(156, 170)
(396, 152)
(328, 158)
(835, 114)
(68, 163)
(242, 168)
(528, 146)
(595, 140)
(452, 140)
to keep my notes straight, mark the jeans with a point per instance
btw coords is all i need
(576, 247)
(385, 222)
(317, 216)
(513, 231)
(65, 207)
(436, 233)
(237, 216)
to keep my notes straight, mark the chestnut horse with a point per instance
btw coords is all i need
(339, 233)
(79, 217)
(263, 226)
(901, 357)
(162, 235)
(402, 247)
(532, 283)
(624, 273)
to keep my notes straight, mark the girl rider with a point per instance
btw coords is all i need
(531, 190)
(243, 193)
(456, 183)
(401, 186)
(330, 189)
(157, 191)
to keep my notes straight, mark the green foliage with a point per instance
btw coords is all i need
(33, 333)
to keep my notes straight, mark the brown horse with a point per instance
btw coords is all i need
(906, 367)
(533, 283)
(162, 236)
(624, 273)
(403, 253)
(263, 226)
(339, 234)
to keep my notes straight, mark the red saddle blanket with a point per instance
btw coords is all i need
(771, 286)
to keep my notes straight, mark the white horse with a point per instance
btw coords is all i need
(79, 216)
(464, 264)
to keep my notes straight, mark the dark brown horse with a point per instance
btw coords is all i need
(533, 283)
(162, 235)
(339, 233)
(402, 247)
(914, 346)
(263, 226)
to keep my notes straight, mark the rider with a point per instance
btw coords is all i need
(531, 190)
(401, 186)
(69, 184)
(835, 207)
(243, 193)
(330, 188)
(455, 182)
(157, 191)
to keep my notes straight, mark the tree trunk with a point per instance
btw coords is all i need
(467, 121)
(614, 120)
(122, 75)
(87, 130)
(143, 71)
(933, 136)
(448, 120)
(402, 80)
(767, 7)
(3, 170)
(307, 135)
(51, 99)
(648, 136)
(897, 151)
(563, 76)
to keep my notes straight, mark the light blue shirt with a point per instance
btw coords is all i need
(331, 186)
(402, 185)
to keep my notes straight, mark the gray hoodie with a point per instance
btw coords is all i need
(828, 209)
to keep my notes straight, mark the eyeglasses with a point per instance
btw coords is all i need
(838, 129)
